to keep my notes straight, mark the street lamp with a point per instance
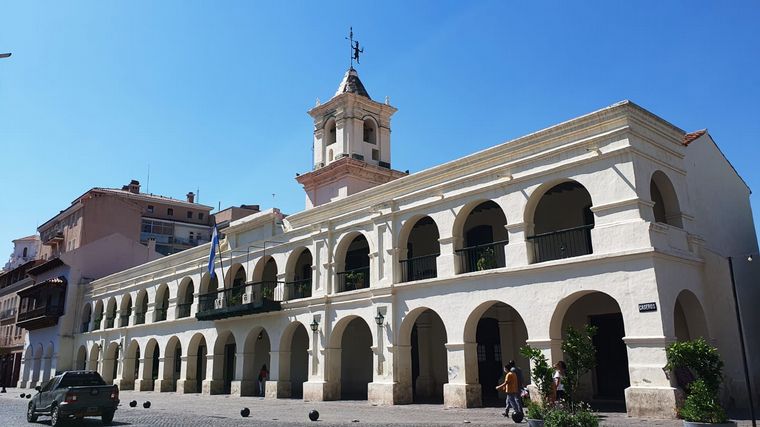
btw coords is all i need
(741, 339)
(379, 319)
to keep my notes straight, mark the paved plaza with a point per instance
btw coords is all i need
(169, 409)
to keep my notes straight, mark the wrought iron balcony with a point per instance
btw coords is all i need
(298, 289)
(139, 318)
(183, 310)
(160, 314)
(482, 257)
(350, 280)
(96, 324)
(567, 243)
(251, 298)
(110, 321)
(419, 268)
(124, 320)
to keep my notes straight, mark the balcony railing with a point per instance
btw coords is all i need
(183, 310)
(39, 317)
(139, 318)
(7, 314)
(96, 324)
(124, 320)
(350, 280)
(298, 289)
(567, 243)
(160, 314)
(419, 268)
(109, 322)
(240, 300)
(482, 257)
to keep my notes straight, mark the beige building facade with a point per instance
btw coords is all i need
(420, 287)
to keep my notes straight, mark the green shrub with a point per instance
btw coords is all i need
(702, 405)
(561, 417)
(580, 357)
(585, 418)
(541, 373)
(486, 259)
(534, 411)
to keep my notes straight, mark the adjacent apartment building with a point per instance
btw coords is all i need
(401, 288)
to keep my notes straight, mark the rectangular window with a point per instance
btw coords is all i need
(375, 154)
(481, 353)
(150, 208)
(189, 215)
(170, 212)
(200, 215)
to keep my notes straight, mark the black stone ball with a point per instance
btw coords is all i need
(313, 415)
(146, 405)
(517, 417)
(133, 404)
(28, 396)
(245, 412)
(23, 395)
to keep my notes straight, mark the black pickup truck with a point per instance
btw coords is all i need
(74, 394)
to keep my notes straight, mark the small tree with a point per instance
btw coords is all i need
(541, 373)
(704, 362)
(580, 355)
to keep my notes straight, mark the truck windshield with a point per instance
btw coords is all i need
(76, 380)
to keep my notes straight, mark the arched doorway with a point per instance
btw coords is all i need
(131, 368)
(185, 298)
(480, 236)
(150, 366)
(141, 307)
(94, 358)
(81, 360)
(111, 363)
(355, 344)
(561, 222)
(353, 263)
(666, 209)
(257, 356)
(499, 332)
(689, 318)
(110, 313)
(196, 364)
(161, 308)
(225, 357)
(419, 257)
(173, 364)
(97, 324)
(86, 318)
(125, 310)
(299, 275)
(425, 363)
(294, 359)
(609, 379)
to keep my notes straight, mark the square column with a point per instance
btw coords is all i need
(463, 389)
(184, 385)
(243, 385)
(447, 261)
(517, 251)
(145, 383)
(651, 394)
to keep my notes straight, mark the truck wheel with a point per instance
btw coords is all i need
(55, 417)
(107, 417)
(31, 417)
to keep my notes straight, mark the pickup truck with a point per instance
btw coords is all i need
(74, 394)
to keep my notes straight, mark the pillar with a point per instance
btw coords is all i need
(447, 261)
(145, 382)
(278, 384)
(463, 388)
(517, 251)
(651, 394)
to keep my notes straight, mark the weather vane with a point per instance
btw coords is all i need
(355, 51)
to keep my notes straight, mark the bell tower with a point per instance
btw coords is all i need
(352, 142)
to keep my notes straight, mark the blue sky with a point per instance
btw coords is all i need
(213, 95)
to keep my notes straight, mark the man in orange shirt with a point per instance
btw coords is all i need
(510, 386)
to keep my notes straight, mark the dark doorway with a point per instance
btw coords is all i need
(229, 367)
(490, 370)
(611, 373)
(200, 368)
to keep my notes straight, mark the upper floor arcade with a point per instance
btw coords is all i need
(610, 183)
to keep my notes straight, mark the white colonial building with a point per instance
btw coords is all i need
(416, 288)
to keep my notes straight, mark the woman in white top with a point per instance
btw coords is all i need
(559, 379)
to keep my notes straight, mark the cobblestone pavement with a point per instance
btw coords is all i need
(169, 409)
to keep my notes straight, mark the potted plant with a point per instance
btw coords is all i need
(486, 259)
(355, 278)
(703, 362)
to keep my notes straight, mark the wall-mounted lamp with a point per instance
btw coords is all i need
(314, 324)
(379, 319)
(749, 258)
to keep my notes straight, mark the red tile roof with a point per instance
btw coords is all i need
(690, 137)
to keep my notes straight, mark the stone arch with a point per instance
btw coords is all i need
(86, 318)
(80, 363)
(352, 378)
(265, 270)
(689, 317)
(299, 272)
(236, 276)
(370, 130)
(111, 362)
(666, 207)
(257, 348)
(141, 306)
(423, 358)
(208, 284)
(480, 235)
(225, 355)
(172, 364)
(330, 132)
(294, 360)
(559, 220)
(195, 374)
(94, 360)
(493, 334)
(419, 248)
(185, 297)
(151, 365)
(110, 313)
(352, 262)
(603, 311)
(125, 310)
(161, 305)
(98, 315)
(131, 368)
(37, 365)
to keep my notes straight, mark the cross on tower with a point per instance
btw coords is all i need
(354, 45)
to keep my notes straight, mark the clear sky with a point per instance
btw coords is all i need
(213, 95)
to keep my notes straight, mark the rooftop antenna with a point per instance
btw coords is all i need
(148, 183)
(354, 45)
(198, 194)
(272, 199)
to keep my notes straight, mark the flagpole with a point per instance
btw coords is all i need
(221, 258)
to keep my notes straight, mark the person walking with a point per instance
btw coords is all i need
(559, 379)
(263, 377)
(510, 386)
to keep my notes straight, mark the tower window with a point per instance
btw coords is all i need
(331, 133)
(369, 131)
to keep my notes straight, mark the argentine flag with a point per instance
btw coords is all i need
(212, 252)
